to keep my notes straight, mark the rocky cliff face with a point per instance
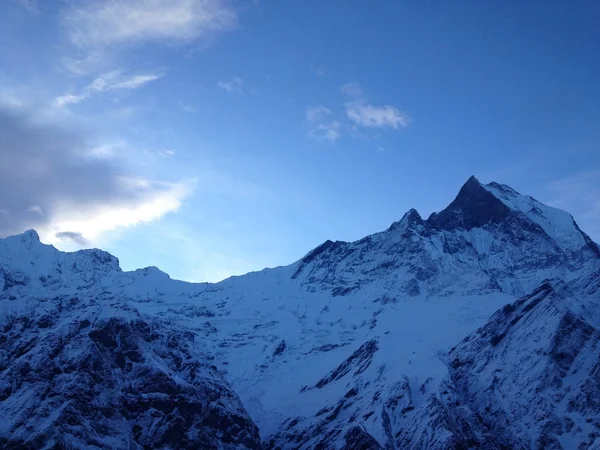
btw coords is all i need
(532, 374)
(70, 382)
(348, 348)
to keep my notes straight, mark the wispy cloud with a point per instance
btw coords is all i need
(317, 113)
(235, 85)
(154, 200)
(104, 23)
(376, 116)
(322, 127)
(186, 107)
(326, 131)
(114, 81)
(72, 236)
(352, 89)
(318, 70)
(111, 81)
(68, 99)
(54, 180)
(364, 114)
(87, 62)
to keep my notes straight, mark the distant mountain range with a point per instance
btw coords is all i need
(476, 328)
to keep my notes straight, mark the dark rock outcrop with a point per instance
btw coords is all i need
(113, 384)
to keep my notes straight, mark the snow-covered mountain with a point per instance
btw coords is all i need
(350, 347)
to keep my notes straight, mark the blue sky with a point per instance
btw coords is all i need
(211, 138)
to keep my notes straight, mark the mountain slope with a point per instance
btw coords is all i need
(534, 369)
(80, 374)
(346, 348)
(530, 378)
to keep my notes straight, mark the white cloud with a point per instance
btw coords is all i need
(154, 199)
(364, 114)
(106, 150)
(352, 89)
(376, 116)
(317, 113)
(235, 85)
(326, 131)
(114, 81)
(62, 183)
(115, 22)
(68, 99)
(322, 128)
(110, 81)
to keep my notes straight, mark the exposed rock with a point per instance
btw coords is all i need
(119, 385)
(359, 439)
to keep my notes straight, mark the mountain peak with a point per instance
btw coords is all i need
(477, 205)
(472, 180)
(471, 186)
(411, 218)
(27, 240)
(30, 236)
(473, 207)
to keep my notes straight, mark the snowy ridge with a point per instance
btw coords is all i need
(347, 348)
(556, 223)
